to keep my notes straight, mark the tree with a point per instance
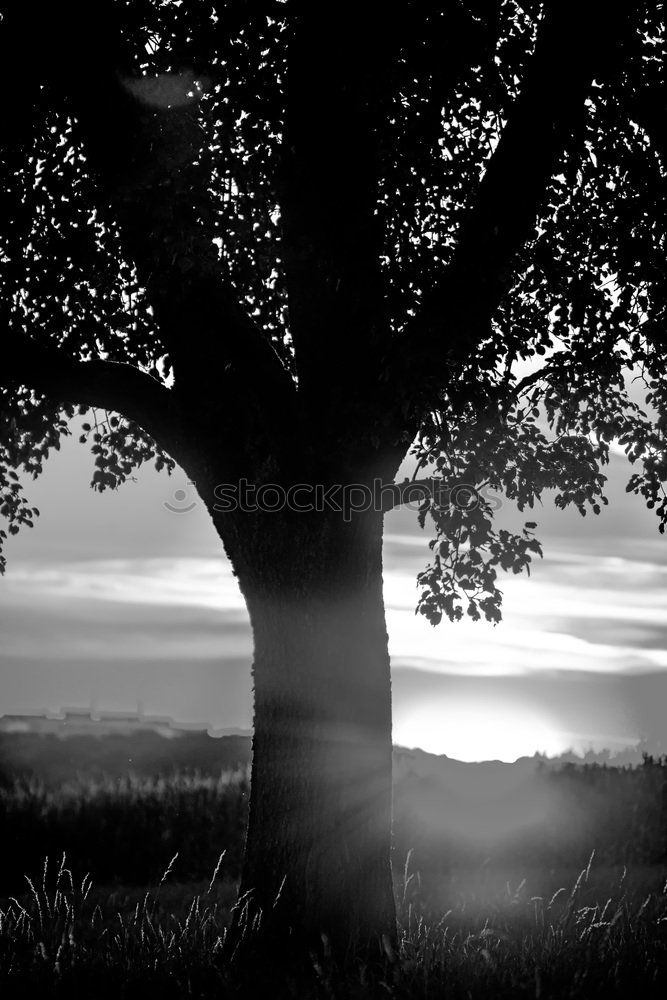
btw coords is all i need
(281, 243)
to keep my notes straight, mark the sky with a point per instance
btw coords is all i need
(114, 601)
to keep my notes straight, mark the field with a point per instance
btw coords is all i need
(141, 874)
(68, 940)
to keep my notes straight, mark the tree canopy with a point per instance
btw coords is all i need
(286, 231)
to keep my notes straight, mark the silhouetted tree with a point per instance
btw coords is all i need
(283, 242)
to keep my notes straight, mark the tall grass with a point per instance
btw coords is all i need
(59, 940)
(476, 919)
(125, 829)
(618, 812)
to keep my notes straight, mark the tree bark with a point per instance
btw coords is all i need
(317, 858)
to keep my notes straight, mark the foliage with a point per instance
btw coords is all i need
(458, 240)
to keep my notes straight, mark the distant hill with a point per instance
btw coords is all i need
(444, 809)
(87, 722)
(447, 813)
(57, 748)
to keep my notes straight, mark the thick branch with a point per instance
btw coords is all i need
(105, 384)
(143, 142)
(329, 192)
(576, 44)
(145, 155)
(146, 159)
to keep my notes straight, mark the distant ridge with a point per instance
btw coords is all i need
(80, 721)
(77, 721)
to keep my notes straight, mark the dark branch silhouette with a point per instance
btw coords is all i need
(455, 315)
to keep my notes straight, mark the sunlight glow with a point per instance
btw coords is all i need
(468, 731)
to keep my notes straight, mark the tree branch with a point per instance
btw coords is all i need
(146, 160)
(143, 144)
(329, 176)
(576, 43)
(105, 384)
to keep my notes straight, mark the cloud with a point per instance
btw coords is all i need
(557, 672)
(598, 614)
(171, 581)
(580, 612)
(157, 613)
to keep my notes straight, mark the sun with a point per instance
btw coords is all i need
(470, 731)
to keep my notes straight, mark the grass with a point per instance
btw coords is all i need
(124, 830)
(163, 857)
(62, 938)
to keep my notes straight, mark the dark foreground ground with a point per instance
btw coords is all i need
(496, 895)
(603, 934)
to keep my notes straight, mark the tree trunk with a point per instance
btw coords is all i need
(317, 859)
